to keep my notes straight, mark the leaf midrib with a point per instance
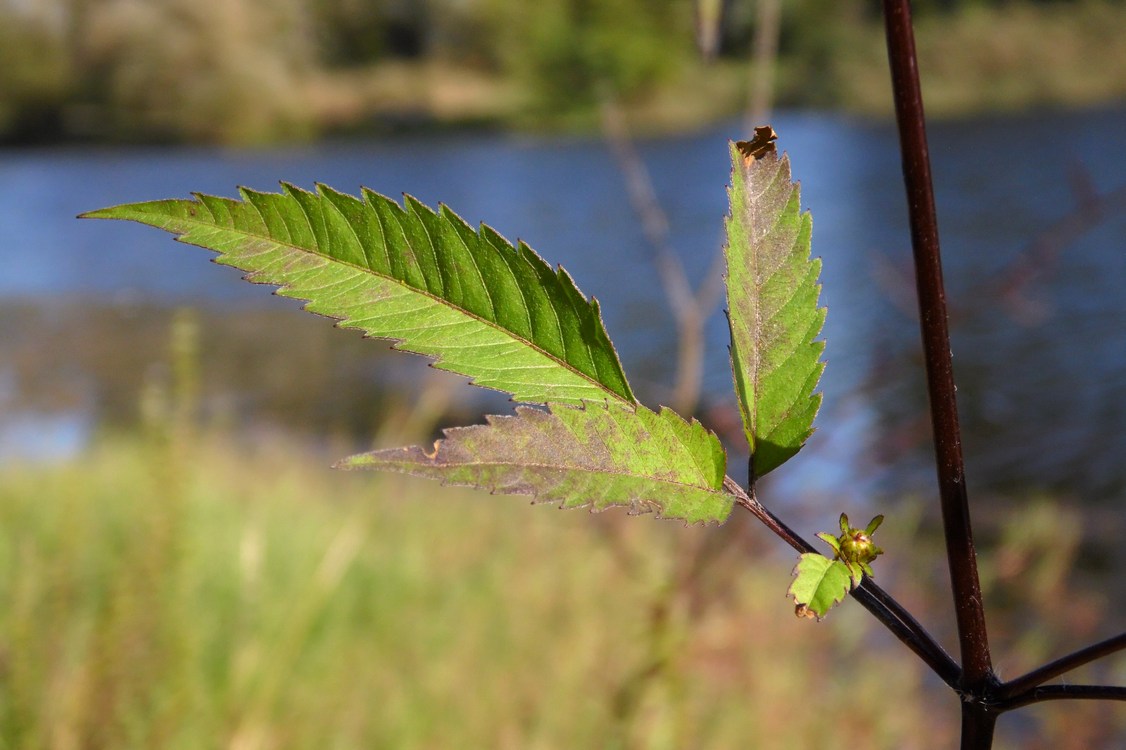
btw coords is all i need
(561, 363)
(574, 469)
(755, 210)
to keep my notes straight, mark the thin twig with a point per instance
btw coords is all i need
(689, 309)
(1063, 692)
(936, 657)
(1035, 260)
(874, 599)
(1038, 258)
(961, 557)
(1064, 664)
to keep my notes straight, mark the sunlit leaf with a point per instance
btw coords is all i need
(772, 294)
(819, 584)
(483, 308)
(601, 455)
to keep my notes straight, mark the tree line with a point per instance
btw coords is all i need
(244, 71)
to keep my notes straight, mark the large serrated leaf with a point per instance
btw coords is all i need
(600, 455)
(772, 294)
(483, 308)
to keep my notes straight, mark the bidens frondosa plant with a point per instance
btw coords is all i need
(499, 314)
(821, 583)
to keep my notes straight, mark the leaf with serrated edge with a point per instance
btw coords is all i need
(820, 583)
(481, 307)
(600, 455)
(772, 294)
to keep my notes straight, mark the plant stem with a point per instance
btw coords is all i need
(935, 656)
(1026, 683)
(874, 599)
(961, 557)
(1063, 692)
(978, 723)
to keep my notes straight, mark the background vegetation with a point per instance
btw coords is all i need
(186, 581)
(197, 596)
(254, 71)
(193, 575)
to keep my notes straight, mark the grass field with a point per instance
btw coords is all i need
(165, 591)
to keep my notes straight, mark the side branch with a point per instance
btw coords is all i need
(1025, 683)
(961, 556)
(936, 657)
(1063, 692)
(870, 596)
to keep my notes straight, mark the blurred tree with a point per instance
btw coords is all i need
(249, 71)
(817, 48)
(354, 33)
(563, 51)
(205, 70)
(34, 77)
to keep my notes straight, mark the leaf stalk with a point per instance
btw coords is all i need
(870, 596)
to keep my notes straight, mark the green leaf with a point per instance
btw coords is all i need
(600, 455)
(831, 540)
(772, 294)
(483, 308)
(820, 583)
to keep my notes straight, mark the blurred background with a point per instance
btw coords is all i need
(180, 568)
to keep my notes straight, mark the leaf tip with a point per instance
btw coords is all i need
(350, 462)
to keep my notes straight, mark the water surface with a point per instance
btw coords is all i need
(1039, 357)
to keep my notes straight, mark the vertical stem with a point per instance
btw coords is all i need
(977, 727)
(962, 559)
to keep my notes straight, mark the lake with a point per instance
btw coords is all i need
(1038, 314)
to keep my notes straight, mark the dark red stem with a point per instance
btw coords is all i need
(1063, 692)
(978, 723)
(976, 666)
(873, 598)
(1025, 683)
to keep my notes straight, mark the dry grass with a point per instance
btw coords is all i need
(244, 596)
(165, 591)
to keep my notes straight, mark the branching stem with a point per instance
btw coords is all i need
(873, 598)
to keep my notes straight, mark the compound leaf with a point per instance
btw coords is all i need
(772, 294)
(485, 309)
(599, 455)
(820, 583)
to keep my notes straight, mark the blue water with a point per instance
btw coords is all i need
(1042, 373)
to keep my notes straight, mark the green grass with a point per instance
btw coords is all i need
(244, 595)
(164, 592)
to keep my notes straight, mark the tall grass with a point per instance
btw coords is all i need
(242, 595)
(174, 587)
